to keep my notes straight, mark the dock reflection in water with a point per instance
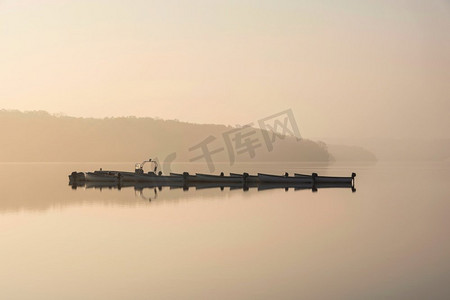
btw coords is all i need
(160, 187)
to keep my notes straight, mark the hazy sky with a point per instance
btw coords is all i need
(346, 68)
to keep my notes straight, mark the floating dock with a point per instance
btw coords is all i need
(185, 180)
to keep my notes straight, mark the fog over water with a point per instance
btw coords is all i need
(389, 239)
(327, 87)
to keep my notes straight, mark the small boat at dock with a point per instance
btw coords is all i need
(328, 179)
(147, 177)
(246, 177)
(283, 179)
(218, 178)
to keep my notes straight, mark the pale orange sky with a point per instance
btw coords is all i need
(346, 68)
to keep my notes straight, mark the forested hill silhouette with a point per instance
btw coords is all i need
(41, 137)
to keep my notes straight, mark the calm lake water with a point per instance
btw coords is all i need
(388, 240)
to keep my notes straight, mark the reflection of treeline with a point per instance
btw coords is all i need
(39, 136)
